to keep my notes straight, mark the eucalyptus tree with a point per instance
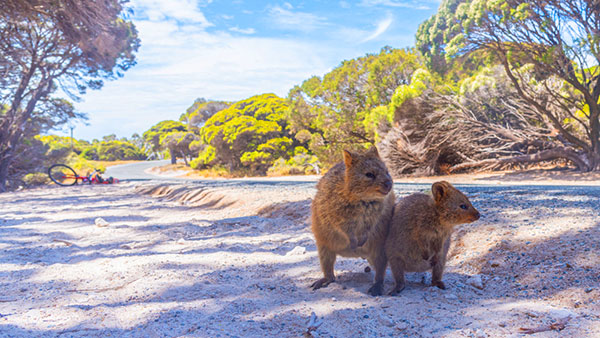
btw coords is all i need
(45, 46)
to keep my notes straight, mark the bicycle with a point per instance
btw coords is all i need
(64, 175)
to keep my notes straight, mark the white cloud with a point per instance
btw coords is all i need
(382, 26)
(300, 21)
(243, 30)
(179, 61)
(354, 35)
(394, 3)
(181, 10)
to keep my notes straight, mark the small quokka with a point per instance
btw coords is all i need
(351, 212)
(419, 234)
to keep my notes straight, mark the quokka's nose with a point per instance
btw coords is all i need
(387, 185)
(477, 215)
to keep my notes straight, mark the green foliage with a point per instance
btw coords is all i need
(250, 134)
(546, 49)
(90, 153)
(300, 164)
(484, 77)
(155, 135)
(441, 40)
(256, 159)
(344, 108)
(81, 165)
(55, 142)
(200, 111)
(118, 150)
(178, 143)
(432, 35)
(421, 80)
(33, 157)
(34, 179)
(110, 149)
(205, 158)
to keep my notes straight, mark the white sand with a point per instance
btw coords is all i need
(237, 261)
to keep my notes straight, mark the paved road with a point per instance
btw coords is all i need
(135, 171)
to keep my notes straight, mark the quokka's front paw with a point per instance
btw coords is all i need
(376, 289)
(397, 289)
(439, 284)
(321, 283)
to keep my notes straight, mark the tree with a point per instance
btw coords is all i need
(137, 141)
(550, 51)
(345, 109)
(200, 111)
(154, 136)
(251, 134)
(87, 23)
(41, 49)
(178, 143)
(108, 138)
(116, 150)
(33, 152)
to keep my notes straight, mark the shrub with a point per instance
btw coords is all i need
(35, 179)
(300, 164)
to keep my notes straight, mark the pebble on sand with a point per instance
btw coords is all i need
(298, 250)
(475, 281)
(100, 222)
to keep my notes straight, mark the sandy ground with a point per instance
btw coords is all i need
(235, 260)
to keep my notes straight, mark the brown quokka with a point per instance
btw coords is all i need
(351, 214)
(419, 234)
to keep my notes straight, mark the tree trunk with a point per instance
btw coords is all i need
(173, 156)
(4, 165)
(583, 161)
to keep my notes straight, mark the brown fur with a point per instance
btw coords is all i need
(419, 234)
(351, 214)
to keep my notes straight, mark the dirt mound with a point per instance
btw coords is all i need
(184, 195)
(261, 201)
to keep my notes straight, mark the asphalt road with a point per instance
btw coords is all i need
(135, 171)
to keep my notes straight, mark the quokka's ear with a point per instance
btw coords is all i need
(373, 151)
(349, 158)
(440, 190)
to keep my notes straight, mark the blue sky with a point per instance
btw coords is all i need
(231, 50)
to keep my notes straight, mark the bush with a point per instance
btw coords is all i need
(90, 154)
(300, 164)
(83, 166)
(205, 158)
(118, 151)
(35, 179)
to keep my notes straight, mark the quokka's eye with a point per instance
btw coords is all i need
(464, 206)
(370, 175)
